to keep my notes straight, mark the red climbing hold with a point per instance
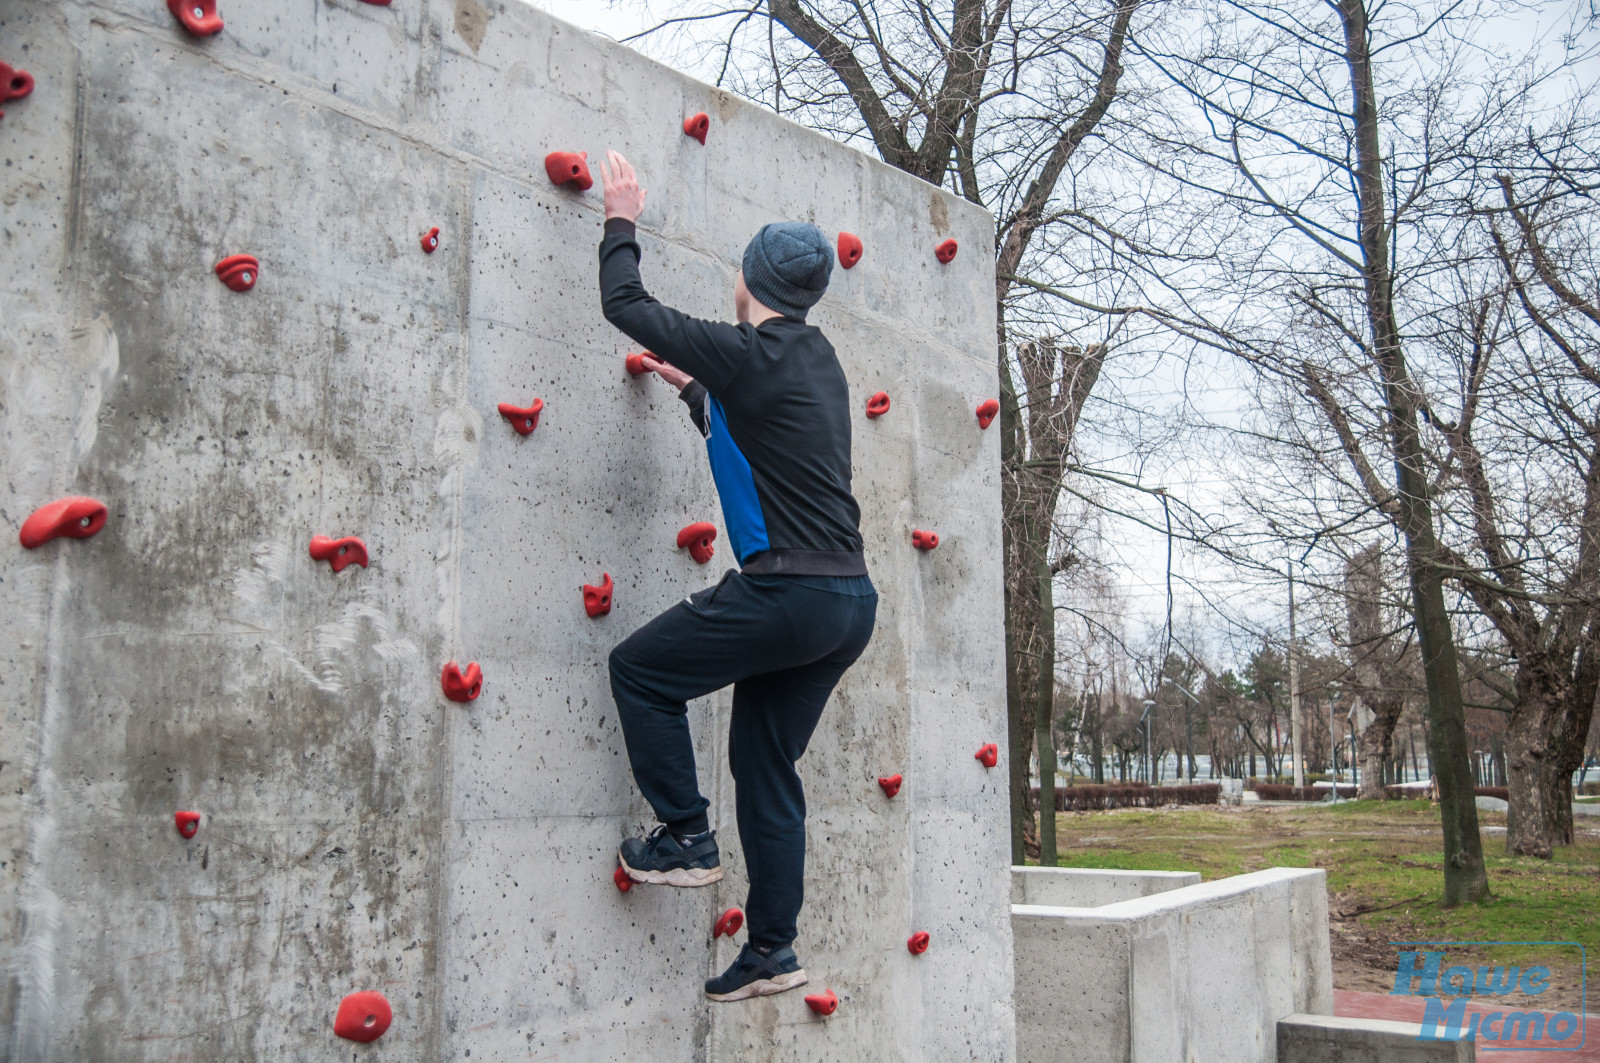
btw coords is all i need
(946, 251)
(849, 249)
(989, 755)
(459, 685)
(187, 823)
(239, 272)
(363, 1016)
(339, 552)
(924, 540)
(14, 84)
(597, 600)
(74, 517)
(635, 363)
(523, 418)
(698, 537)
(878, 405)
(565, 166)
(620, 877)
(728, 923)
(377, 3)
(918, 943)
(823, 1003)
(697, 126)
(890, 784)
(988, 410)
(199, 17)
(430, 239)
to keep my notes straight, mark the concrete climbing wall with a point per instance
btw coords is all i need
(360, 831)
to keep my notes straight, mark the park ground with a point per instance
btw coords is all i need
(1384, 861)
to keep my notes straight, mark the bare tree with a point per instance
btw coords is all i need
(1300, 139)
(1531, 559)
(1056, 383)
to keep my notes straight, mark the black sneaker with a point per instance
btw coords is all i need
(755, 975)
(664, 860)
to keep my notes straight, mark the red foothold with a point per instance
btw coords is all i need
(363, 1016)
(569, 166)
(339, 552)
(14, 84)
(430, 239)
(849, 249)
(239, 272)
(73, 517)
(988, 410)
(924, 540)
(988, 755)
(620, 877)
(523, 418)
(823, 1003)
(635, 363)
(459, 685)
(377, 3)
(597, 600)
(187, 823)
(890, 784)
(918, 943)
(728, 923)
(946, 251)
(878, 405)
(697, 126)
(199, 17)
(698, 537)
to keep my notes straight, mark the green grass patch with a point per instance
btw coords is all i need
(1384, 861)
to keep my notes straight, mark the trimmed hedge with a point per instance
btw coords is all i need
(1097, 798)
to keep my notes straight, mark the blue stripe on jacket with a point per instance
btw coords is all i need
(741, 506)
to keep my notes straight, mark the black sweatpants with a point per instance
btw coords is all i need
(783, 641)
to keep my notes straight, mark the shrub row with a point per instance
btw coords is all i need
(1096, 798)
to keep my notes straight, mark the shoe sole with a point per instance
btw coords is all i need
(683, 877)
(762, 987)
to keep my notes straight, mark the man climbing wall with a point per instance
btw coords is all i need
(771, 400)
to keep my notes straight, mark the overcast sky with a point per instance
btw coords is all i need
(1137, 554)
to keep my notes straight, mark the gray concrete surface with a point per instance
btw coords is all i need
(361, 832)
(1080, 887)
(1202, 972)
(1329, 1039)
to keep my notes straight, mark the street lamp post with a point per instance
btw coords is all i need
(1149, 750)
(1188, 734)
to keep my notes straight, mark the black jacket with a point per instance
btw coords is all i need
(774, 406)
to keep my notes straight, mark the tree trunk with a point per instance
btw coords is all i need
(1095, 744)
(1528, 789)
(1465, 877)
(1044, 715)
(1376, 749)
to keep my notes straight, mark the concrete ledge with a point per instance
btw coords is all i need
(1330, 1039)
(1083, 887)
(1203, 972)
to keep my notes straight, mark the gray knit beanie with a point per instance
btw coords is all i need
(787, 265)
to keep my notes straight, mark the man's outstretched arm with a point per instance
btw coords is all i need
(709, 351)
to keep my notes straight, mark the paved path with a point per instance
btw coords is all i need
(1409, 1009)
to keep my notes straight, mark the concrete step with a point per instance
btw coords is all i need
(1331, 1039)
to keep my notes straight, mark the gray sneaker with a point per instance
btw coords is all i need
(755, 975)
